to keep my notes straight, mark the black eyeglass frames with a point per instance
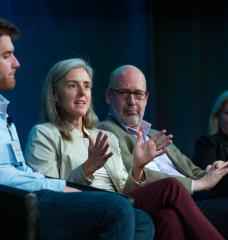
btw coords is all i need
(125, 94)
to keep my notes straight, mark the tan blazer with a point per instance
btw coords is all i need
(47, 152)
(126, 142)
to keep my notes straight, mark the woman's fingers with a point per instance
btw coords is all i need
(98, 139)
(91, 139)
(104, 150)
(100, 146)
(107, 156)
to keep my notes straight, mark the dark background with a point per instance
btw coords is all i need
(181, 46)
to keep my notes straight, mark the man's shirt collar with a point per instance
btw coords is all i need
(3, 105)
(144, 127)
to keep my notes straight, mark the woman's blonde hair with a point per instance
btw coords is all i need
(221, 100)
(49, 111)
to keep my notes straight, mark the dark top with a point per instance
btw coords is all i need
(210, 148)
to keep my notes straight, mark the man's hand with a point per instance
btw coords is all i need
(143, 153)
(97, 154)
(215, 173)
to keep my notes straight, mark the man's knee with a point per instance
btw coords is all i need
(167, 215)
(173, 182)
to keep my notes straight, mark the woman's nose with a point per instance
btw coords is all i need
(81, 90)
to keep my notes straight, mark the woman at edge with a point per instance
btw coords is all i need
(67, 145)
(213, 148)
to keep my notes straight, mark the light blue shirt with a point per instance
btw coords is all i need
(13, 170)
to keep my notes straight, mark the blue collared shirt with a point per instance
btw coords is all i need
(14, 171)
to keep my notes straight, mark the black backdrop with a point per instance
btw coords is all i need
(181, 46)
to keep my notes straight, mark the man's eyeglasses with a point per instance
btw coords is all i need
(125, 94)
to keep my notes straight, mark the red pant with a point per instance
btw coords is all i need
(175, 214)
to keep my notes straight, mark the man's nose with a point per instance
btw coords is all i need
(131, 99)
(16, 63)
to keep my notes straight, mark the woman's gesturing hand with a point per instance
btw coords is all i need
(97, 153)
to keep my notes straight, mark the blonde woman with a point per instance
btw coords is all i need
(214, 146)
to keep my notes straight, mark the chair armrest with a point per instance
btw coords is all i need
(19, 214)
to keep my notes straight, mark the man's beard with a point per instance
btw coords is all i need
(7, 83)
(133, 120)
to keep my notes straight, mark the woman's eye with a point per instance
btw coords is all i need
(71, 86)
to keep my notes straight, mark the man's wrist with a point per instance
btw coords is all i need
(137, 174)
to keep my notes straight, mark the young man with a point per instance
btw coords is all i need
(78, 215)
(127, 98)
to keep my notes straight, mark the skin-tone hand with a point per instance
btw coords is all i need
(214, 174)
(70, 189)
(97, 154)
(143, 153)
(216, 164)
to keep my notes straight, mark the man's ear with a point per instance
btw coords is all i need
(107, 96)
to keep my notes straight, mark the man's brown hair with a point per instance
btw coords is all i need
(9, 29)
